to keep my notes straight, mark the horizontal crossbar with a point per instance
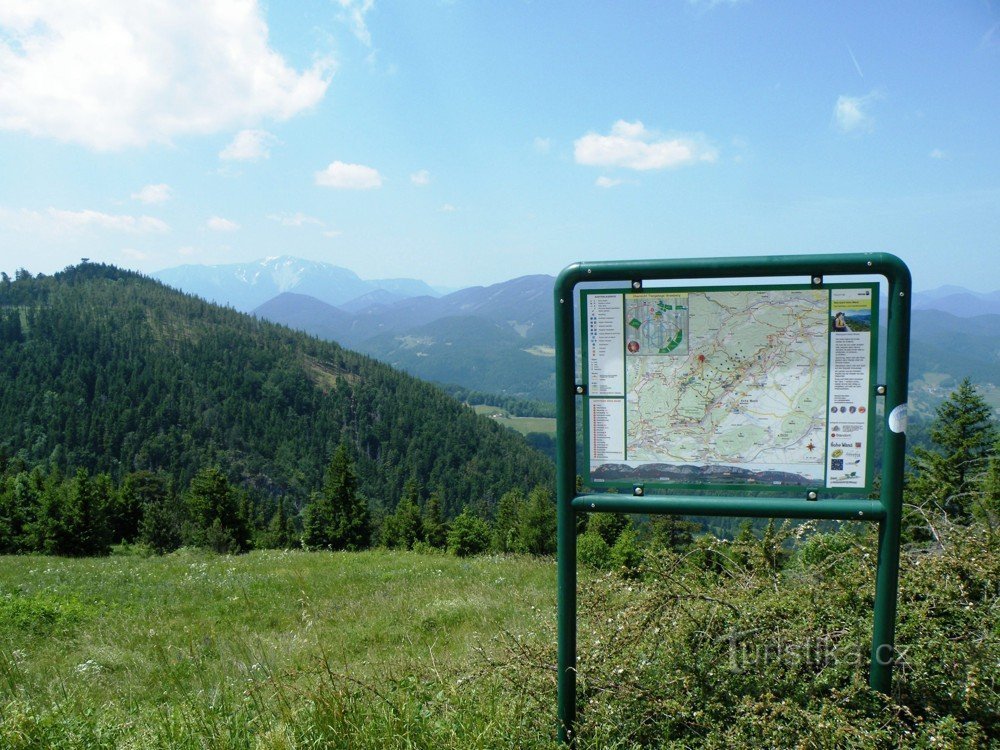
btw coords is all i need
(752, 507)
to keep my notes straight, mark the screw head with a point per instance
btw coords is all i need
(902, 294)
(637, 491)
(817, 280)
(869, 263)
(880, 390)
(812, 495)
(636, 284)
(579, 389)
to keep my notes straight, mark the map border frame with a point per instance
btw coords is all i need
(738, 487)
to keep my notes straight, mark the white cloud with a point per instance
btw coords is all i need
(542, 145)
(354, 13)
(938, 154)
(332, 233)
(218, 224)
(124, 73)
(60, 221)
(159, 193)
(421, 178)
(297, 219)
(447, 208)
(131, 252)
(349, 177)
(186, 250)
(606, 182)
(632, 146)
(248, 145)
(851, 113)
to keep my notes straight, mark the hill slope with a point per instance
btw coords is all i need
(112, 371)
(496, 339)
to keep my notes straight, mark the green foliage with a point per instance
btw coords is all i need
(608, 525)
(672, 532)
(338, 517)
(626, 553)
(505, 521)
(215, 518)
(468, 535)
(434, 528)
(536, 523)
(117, 373)
(963, 435)
(404, 527)
(280, 533)
(593, 551)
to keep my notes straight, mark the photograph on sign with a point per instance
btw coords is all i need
(765, 387)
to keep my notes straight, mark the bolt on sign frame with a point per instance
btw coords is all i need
(815, 503)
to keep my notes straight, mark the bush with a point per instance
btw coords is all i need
(469, 535)
(592, 550)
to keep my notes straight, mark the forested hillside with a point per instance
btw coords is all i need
(109, 371)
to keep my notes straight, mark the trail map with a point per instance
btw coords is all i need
(730, 386)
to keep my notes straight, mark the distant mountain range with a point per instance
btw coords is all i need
(958, 301)
(499, 338)
(244, 286)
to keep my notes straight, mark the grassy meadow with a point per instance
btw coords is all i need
(264, 650)
(754, 642)
(524, 425)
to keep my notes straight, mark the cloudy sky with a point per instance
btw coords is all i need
(469, 142)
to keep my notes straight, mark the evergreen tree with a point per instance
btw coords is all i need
(672, 532)
(435, 530)
(536, 528)
(405, 526)
(963, 434)
(160, 527)
(138, 490)
(280, 532)
(338, 517)
(214, 513)
(505, 522)
(987, 507)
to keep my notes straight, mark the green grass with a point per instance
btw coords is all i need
(256, 651)
(727, 645)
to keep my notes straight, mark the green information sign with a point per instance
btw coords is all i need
(752, 401)
(764, 387)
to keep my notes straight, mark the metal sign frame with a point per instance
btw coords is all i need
(886, 511)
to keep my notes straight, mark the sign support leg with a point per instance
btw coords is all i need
(566, 624)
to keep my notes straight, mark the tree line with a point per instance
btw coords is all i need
(105, 370)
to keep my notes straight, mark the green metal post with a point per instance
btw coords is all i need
(565, 492)
(887, 574)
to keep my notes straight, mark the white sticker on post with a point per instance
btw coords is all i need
(897, 419)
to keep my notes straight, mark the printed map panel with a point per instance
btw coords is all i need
(740, 378)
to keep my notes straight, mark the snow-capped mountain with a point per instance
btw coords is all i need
(245, 286)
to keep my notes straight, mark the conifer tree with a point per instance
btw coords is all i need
(672, 532)
(963, 434)
(536, 528)
(505, 521)
(215, 517)
(338, 517)
(435, 530)
(405, 526)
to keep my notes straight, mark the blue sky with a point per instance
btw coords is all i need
(470, 142)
